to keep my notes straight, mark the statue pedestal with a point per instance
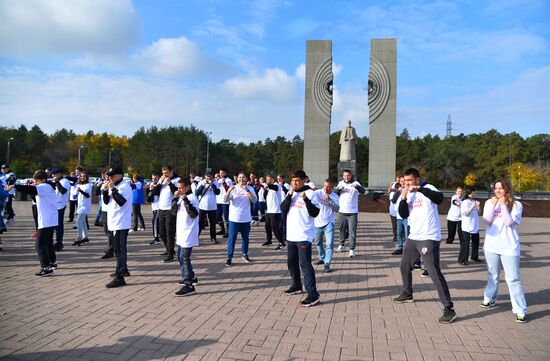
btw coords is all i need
(351, 165)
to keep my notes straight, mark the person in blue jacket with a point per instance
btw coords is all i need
(138, 198)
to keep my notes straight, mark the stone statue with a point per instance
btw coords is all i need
(348, 138)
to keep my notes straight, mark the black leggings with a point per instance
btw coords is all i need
(136, 213)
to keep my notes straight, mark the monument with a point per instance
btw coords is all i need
(318, 106)
(382, 112)
(348, 139)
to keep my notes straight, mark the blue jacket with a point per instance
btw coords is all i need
(138, 192)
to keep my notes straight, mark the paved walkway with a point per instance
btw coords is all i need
(240, 313)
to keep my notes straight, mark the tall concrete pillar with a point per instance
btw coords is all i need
(382, 112)
(318, 106)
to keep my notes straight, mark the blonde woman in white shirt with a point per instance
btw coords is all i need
(502, 215)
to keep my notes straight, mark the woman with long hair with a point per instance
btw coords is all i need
(84, 201)
(469, 210)
(502, 215)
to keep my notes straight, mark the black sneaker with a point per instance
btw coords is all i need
(77, 243)
(185, 291)
(424, 274)
(449, 315)
(126, 274)
(169, 258)
(417, 266)
(327, 269)
(107, 255)
(195, 282)
(310, 301)
(404, 297)
(521, 319)
(85, 240)
(476, 260)
(293, 290)
(213, 240)
(53, 266)
(397, 252)
(246, 258)
(98, 224)
(154, 241)
(267, 243)
(44, 272)
(488, 304)
(116, 282)
(58, 246)
(228, 262)
(280, 247)
(463, 263)
(219, 233)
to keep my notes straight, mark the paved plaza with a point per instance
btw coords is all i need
(241, 313)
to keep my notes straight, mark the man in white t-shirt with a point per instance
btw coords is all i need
(419, 204)
(454, 217)
(206, 192)
(62, 192)
(46, 206)
(153, 199)
(348, 190)
(301, 206)
(324, 223)
(222, 213)
(117, 196)
(273, 213)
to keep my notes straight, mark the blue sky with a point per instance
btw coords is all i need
(236, 68)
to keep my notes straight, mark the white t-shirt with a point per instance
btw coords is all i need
(239, 204)
(501, 238)
(282, 193)
(46, 206)
(187, 228)
(207, 197)
(393, 207)
(273, 200)
(166, 195)
(120, 217)
(73, 192)
(326, 213)
(454, 214)
(311, 185)
(220, 197)
(349, 197)
(470, 223)
(155, 202)
(300, 226)
(261, 195)
(84, 204)
(62, 199)
(423, 217)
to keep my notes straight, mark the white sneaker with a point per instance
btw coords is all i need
(131, 231)
(340, 248)
(352, 253)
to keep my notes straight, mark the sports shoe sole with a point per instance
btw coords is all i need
(312, 303)
(487, 305)
(404, 301)
(186, 294)
(451, 320)
(294, 293)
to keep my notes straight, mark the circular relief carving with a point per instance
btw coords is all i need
(322, 87)
(378, 89)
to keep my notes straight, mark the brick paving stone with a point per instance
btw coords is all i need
(241, 313)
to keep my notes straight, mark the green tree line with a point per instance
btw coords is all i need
(473, 159)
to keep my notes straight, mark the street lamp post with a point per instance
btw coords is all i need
(207, 149)
(8, 155)
(79, 149)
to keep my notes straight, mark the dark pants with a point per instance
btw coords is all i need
(222, 213)
(429, 250)
(60, 229)
(299, 257)
(465, 246)
(348, 228)
(155, 224)
(167, 230)
(452, 228)
(211, 222)
(394, 227)
(99, 212)
(110, 247)
(119, 240)
(261, 208)
(184, 256)
(72, 208)
(35, 216)
(44, 246)
(8, 208)
(273, 225)
(136, 214)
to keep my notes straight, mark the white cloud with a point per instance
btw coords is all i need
(43, 27)
(178, 57)
(273, 85)
(300, 72)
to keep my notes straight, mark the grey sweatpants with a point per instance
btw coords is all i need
(348, 228)
(429, 250)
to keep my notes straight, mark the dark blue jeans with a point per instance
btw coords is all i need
(184, 256)
(60, 229)
(119, 239)
(299, 257)
(222, 213)
(234, 229)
